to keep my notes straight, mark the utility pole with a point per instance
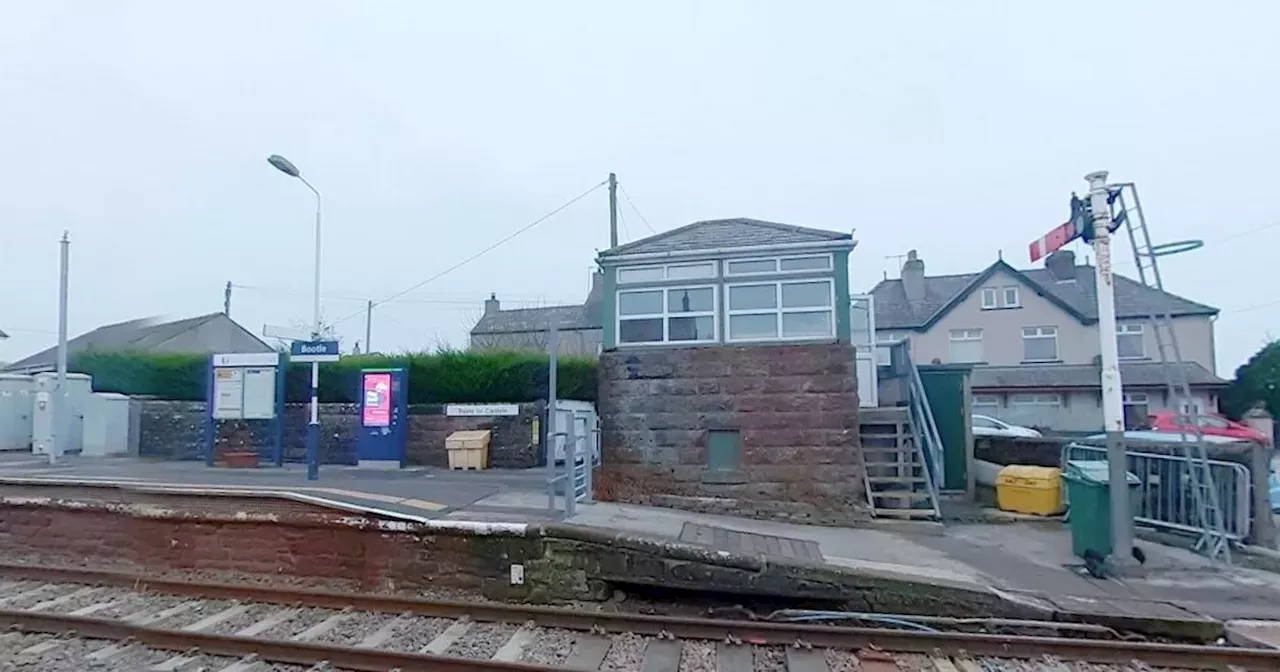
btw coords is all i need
(368, 326)
(1112, 394)
(613, 210)
(60, 392)
(226, 300)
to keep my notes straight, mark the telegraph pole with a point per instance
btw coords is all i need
(226, 300)
(613, 210)
(1112, 395)
(368, 326)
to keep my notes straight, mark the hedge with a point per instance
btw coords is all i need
(440, 377)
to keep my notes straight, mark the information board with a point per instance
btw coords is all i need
(228, 393)
(259, 393)
(377, 399)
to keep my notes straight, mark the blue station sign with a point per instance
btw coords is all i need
(314, 351)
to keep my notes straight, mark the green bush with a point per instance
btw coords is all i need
(440, 377)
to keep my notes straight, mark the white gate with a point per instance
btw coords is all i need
(862, 332)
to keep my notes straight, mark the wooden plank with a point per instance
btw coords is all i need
(805, 660)
(39, 649)
(661, 655)
(249, 663)
(147, 617)
(26, 593)
(381, 635)
(734, 657)
(513, 649)
(106, 653)
(272, 620)
(320, 629)
(74, 595)
(943, 664)
(212, 620)
(446, 639)
(94, 608)
(968, 665)
(588, 653)
(174, 664)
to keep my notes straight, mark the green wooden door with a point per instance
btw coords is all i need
(948, 390)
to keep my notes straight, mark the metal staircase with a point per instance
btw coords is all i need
(901, 451)
(1126, 210)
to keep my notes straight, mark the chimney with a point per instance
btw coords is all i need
(1062, 265)
(913, 277)
(491, 305)
(595, 300)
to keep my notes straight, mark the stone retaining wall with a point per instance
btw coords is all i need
(175, 430)
(794, 409)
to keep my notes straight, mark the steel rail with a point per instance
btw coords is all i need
(272, 650)
(755, 632)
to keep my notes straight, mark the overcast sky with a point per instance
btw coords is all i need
(434, 129)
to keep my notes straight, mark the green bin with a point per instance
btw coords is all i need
(1090, 500)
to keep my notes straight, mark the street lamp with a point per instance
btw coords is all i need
(313, 428)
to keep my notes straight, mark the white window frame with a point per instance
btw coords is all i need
(1131, 330)
(779, 311)
(1052, 399)
(984, 401)
(777, 265)
(990, 292)
(666, 315)
(884, 339)
(666, 272)
(965, 336)
(1136, 398)
(1041, 335)
(1004, 297)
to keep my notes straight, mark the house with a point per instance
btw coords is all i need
(727, 376)
(207, 334)
(579, 327)
(1032, 336)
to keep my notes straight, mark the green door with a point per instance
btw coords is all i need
(948, 390)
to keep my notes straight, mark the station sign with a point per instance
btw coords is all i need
(314, 351)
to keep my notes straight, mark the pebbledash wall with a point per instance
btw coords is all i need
(784, 421)
(175, 430)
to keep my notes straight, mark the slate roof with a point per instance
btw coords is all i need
(3, 335)
(1078, 298)
(524, 320)
(717, 233)
(1048, 376)
(143, 334)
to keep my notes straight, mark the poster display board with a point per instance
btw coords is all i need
(245, 386)
(384, 408)
(377, 400)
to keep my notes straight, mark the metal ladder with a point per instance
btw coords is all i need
(1213, 540)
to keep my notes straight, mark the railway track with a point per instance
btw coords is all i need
(65, 619)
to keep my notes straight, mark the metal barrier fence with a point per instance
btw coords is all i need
(1163, 497)
(574, 480)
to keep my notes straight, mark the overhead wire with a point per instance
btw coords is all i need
(633, 207)
(481, 253)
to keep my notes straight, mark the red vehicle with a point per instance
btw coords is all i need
(1210, 425)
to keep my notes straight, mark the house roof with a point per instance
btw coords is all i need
(1076, 297)
(524, 320)
(143, 334)
(723, 233)
(1049, 376)
(3, 335)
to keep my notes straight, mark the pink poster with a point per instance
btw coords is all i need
(377, 400)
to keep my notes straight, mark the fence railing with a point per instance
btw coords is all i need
(1164, 497)
(903, 375)
(572, 479)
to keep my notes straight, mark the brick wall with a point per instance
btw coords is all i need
(175, 430)
(795, 408)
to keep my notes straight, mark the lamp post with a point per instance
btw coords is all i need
(313, 427)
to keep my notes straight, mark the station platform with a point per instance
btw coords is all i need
(1021, 568)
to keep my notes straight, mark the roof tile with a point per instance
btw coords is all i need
(719, 233)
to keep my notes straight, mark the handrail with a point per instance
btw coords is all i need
(928, 439)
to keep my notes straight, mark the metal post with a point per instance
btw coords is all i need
(1112, 394)
(226, 299)
(313, 427)
(613, 210)
(60, 391)
(552, 435)
(571, 469)
(368, 327)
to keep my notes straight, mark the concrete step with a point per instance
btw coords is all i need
(897, 479)
(899, 494)
(915, 514)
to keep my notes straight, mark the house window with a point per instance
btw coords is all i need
(1039, 344)
(985, 403)
(1137, 410)
(812, 262)
(1054, 400)
(989, 298)
(1010, 295)
(884, 339)
(966, 346)
(675, 315)
(689, 271)
(781, 310)
(1130, 342)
